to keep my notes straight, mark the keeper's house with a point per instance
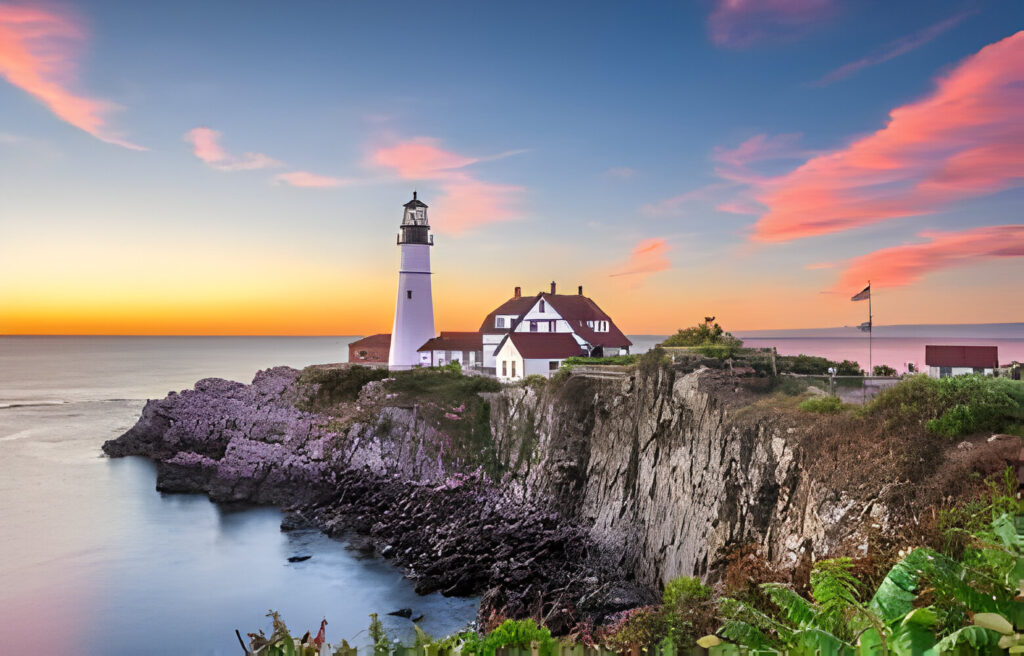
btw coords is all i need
(946, 361)
(528, 335)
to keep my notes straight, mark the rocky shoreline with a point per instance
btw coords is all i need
(455, 533)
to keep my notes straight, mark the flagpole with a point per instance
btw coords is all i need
(871, 327)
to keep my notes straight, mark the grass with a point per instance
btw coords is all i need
(336, 385)
(825, 405)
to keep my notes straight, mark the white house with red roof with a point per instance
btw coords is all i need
(533, 335)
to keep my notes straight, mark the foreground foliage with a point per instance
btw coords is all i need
(963, 593)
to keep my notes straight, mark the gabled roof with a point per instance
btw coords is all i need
(373, 341)
(983, 357)
(544, 345)
(454, 341)
(513, 306)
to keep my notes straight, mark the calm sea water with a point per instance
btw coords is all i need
(93, 560)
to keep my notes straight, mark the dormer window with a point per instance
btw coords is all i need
(541, 306)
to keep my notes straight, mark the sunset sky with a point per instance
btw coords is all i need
(239, 168)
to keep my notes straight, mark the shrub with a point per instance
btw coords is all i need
(849, 368)
(337, 385)
(952, 407)
(804, 364)
(822, 404)
(683, 590)
(702, 335)
(883, 370)
(535, 381)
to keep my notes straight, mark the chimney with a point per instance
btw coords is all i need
(552, 286)
(580, 290)
(518, 292)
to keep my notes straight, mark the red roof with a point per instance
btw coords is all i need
(513, 306)
(545, 345)
(574, 308)
(454, 341)
(382, 340)
(982, 357)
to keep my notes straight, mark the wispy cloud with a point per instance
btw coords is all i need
(311, 180)
(206, 146)
(620, 172)
(647, 257)
(908, 263)
(675, 205)
(892, 50)
(467, 201)
(37, 54)
(741, 23)
(963, 140)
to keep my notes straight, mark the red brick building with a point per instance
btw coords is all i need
(370, 350)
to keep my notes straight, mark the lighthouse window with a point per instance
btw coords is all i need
(408, 293)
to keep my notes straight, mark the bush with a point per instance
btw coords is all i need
(534, 381)
(849, 368)
(822, 404)
(340, 384)
(952, 407)
(684, 590)
(883, 370)
(702, 335)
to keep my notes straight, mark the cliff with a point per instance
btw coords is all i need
(568, 500)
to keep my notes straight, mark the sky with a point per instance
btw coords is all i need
(240, 168)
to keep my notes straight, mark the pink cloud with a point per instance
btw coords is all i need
(466, 201)
(37, 55)
(206, 146)
(898, 47)
(739, 207)
(740, 23)
(759, 148)
(648, 257)
(310, 180)
(965, 139)
(903, 265)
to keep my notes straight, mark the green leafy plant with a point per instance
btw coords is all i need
(822, 404)
(883, 370)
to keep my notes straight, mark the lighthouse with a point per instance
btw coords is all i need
(414, 308)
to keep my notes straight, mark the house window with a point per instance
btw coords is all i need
(513, 368)
(499, 322)
(408, 293)
(533, 326)
(553, 365)
(551, 326)
(504, 368)
(541, 306)
(945, 372)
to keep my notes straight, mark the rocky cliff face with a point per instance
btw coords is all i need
(594, 482)
(665, 470)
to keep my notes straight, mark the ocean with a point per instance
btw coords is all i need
(93, 560)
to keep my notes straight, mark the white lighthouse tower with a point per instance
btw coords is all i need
(414, 309)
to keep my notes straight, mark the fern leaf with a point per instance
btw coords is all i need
(980, 640)
(797, 610)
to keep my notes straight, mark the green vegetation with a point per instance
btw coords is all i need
(815, 366)
(336, 385)
(953, 407)
(708, 339)
(952, 589)
(440, 385)
(822, 404)
(612, 359)
(883, 370)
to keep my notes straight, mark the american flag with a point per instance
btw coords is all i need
(863, 295)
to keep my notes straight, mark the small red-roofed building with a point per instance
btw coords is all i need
(370, 350)
(522, 354)
(957, 360)
(466, 348)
